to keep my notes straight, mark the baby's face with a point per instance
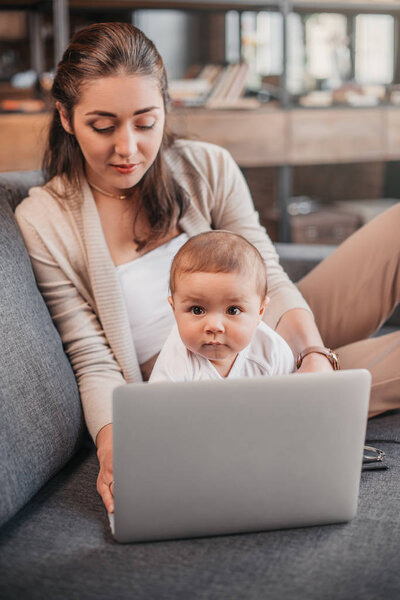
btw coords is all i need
(217, 314)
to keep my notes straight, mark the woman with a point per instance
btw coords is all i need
(123, 195)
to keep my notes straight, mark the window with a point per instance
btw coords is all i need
(327, 49)
(374, 49)
(261, 35)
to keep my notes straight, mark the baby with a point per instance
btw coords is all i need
(218, 285)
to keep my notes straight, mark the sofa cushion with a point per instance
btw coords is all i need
(40, 412)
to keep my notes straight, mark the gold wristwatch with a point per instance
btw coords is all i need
(330, 355)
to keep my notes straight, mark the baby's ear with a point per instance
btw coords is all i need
(171, 301)
(263, 305)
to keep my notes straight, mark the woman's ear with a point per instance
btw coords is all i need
(64, 118)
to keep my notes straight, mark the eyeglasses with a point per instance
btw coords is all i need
(372, 454)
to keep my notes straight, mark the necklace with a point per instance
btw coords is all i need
(119, 196)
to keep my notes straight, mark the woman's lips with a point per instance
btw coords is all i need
(125, 169)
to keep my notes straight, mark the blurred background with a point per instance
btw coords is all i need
(304, 94)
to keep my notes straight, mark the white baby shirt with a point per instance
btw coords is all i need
(267, 354)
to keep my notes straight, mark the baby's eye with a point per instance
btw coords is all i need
(197, 310)
(233, 310)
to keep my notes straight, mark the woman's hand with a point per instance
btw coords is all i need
(105, 480)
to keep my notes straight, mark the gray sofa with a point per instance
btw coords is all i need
(55, 541)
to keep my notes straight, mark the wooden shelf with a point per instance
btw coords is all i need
(297, 137)
(257, 138)
(315, 5)
(336, 136)
(19, 4)
(359, 6)
(209, 5)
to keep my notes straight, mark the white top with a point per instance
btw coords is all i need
(267, 354)
(144, 283)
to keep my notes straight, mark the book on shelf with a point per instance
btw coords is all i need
(215, 86)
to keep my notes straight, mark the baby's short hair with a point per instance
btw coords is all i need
(220, 252)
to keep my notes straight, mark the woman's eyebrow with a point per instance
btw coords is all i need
(103, 113)
(148, 109)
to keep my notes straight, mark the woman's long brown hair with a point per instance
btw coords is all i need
(103, 50)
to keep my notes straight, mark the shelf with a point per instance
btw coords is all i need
(347, 6)
(275, 137)
(256, 138)
(342, 135)
(297, 5)
(298, 136)
(217, 5)
(20, 4)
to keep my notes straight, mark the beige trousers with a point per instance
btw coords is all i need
(352, 292)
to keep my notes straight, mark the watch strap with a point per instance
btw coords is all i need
(330, 355)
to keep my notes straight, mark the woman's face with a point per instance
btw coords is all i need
(119, 124)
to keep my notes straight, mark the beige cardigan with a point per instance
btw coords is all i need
(77, 277)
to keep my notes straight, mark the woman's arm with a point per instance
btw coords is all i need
(94, 365)
(57, 264)
(298, 328)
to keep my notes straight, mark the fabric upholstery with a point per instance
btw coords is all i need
(60, 547)
(14, 186)
(40, 413)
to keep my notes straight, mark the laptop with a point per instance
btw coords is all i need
(221, 457)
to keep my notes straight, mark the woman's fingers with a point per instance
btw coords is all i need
(105, 485)
(106, 491)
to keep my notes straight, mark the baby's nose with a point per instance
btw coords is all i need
(215, 324)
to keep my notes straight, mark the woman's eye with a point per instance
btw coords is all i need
(146, 125)
(197, 310)
(233, 310)
(102, 129)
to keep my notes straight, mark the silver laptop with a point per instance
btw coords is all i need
(241, 455)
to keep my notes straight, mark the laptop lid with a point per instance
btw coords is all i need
(241, 455)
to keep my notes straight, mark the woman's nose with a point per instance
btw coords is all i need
(126, 144)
